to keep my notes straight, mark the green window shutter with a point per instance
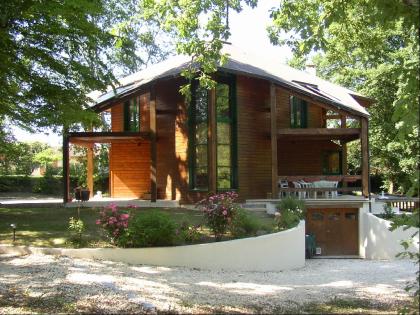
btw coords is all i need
(132, 114)
(304, 114)
(127, 116)
(298, 113)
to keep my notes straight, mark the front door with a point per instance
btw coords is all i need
(336, 230)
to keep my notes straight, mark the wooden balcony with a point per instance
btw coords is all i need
(343, 134)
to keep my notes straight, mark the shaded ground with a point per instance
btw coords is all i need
(48, 227)
(38, 283)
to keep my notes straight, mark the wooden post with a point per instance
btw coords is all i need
(344, 166)
(212, 136)
(365, 156)
(273, 120)
(89, 177)
(152, 105)
(66, 173)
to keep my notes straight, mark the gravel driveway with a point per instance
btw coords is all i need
(68, 285)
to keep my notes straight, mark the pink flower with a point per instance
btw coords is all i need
(224, 212)
(124, 216)
(98, 221)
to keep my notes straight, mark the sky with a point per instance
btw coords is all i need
(248, 33)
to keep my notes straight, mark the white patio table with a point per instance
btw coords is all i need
(324, 184)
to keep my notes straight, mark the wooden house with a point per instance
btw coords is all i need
(262, 123)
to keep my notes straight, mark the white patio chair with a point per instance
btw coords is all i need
(304, 184)
(300, 194)
(334, 193)
(283, 184)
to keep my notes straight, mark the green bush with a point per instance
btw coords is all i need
(188, 233)
(291, 211)
(243, 224)
(149, 229)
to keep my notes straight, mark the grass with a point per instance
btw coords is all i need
(48, 227)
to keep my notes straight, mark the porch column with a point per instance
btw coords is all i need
(273, 120)
(344, 151)
(89, 157)
(152, 105)
(66, 180)
(364, 142)
(213, 142)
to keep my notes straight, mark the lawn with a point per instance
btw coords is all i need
(48, 227)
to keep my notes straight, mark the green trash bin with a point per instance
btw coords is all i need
(310, 245)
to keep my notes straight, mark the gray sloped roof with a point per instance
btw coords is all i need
(240, 62)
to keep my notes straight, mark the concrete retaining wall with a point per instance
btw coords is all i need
(380, 243)
(272, 252)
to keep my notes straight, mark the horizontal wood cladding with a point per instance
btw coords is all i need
(172, 142)
(117, 117)
(302, 157)
(283, 111)
(129, 166)
(254, 147)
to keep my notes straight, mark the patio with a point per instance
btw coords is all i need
(318, 187)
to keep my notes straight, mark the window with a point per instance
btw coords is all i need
(225, 135)
(132, 114)
(298, 112)
(331, 161)
(225, 142)
(198, 139)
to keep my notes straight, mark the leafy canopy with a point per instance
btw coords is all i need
(199, 27)
(370, 46)
(53, 52)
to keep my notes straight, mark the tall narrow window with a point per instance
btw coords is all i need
(199, 140)
(225, 144)
(132, 114)
(224, 137)
(298, 112)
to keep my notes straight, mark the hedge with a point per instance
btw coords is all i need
(44, 185)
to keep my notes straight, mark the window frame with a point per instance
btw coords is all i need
(325, 159)
(192, 125)
(297, 104)
(127, 114)
(230, 80)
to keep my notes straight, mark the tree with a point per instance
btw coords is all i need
(199, 28)
(53, 52)
(370, 46)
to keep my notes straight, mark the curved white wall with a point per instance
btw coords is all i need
(380, 243)
(272, 252)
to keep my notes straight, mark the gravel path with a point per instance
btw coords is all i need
(68, 285)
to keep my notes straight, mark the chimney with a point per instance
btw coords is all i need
(310, 68)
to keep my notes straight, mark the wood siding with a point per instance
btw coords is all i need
(129, 162)
(302, 157)
(283, 111)
(254, 146)
(172, 141)
(129, 165)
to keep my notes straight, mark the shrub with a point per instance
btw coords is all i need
(219, 210)
(113, 221)
(243, 224)
(188, 233)
(388, 212)
(291, 211)
(76, 228)
(149, 229)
